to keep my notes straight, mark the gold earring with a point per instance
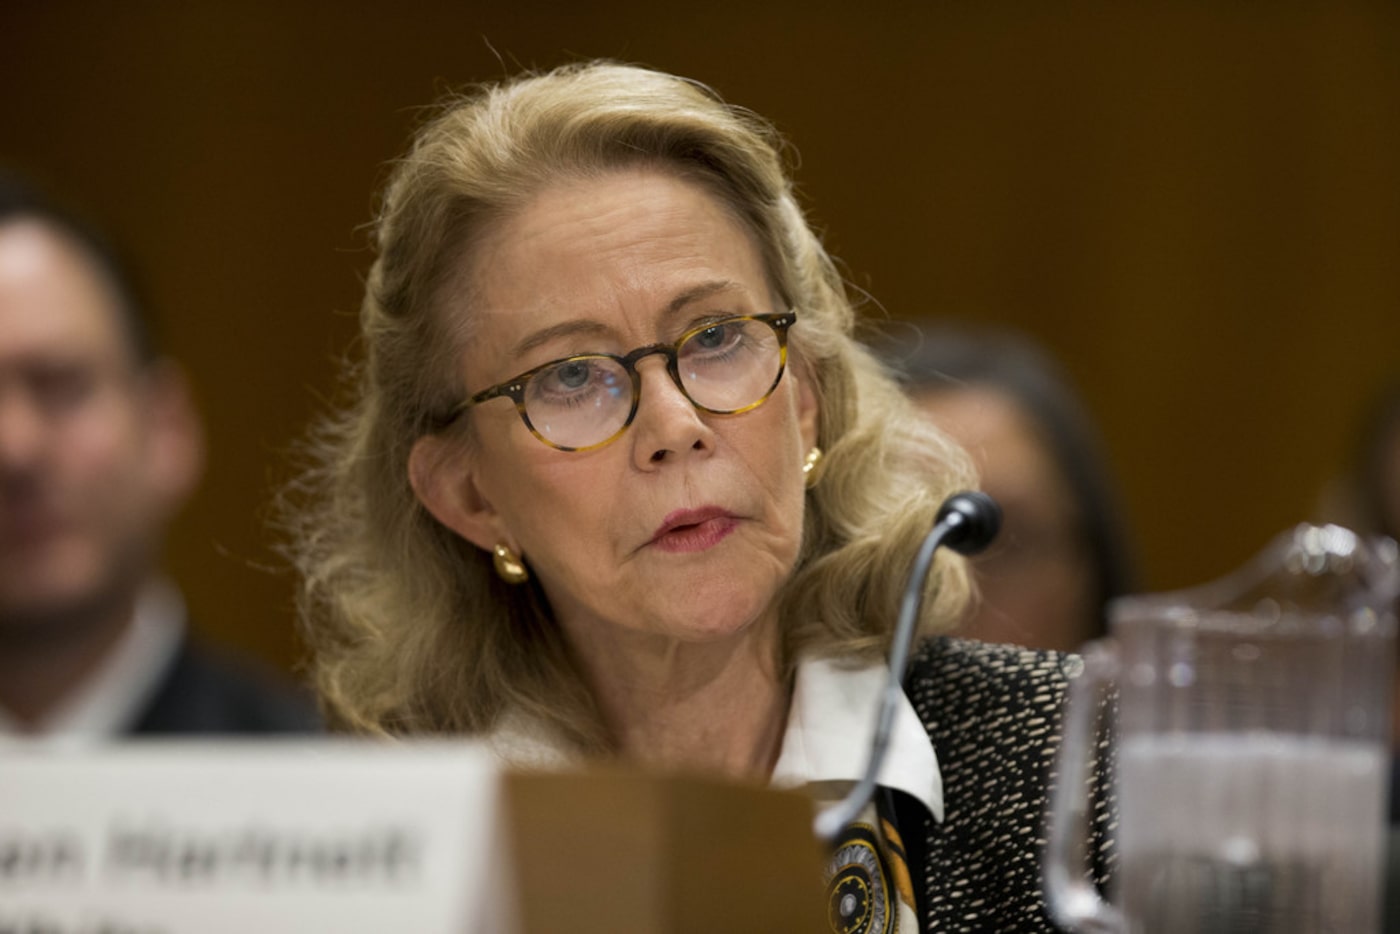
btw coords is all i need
(511, 569)
(809, 466)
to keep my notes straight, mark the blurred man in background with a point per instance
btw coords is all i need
(100, 445)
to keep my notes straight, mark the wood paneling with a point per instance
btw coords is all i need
(1198, 209)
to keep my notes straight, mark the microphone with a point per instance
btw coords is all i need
(966, 522)
(974, 519)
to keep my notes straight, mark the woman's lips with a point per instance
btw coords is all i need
(687, 530)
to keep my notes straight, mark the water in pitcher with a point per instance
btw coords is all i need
(1198, 854)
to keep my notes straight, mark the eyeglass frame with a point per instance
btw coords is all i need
(514, 388)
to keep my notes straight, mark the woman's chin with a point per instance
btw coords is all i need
(696, 621)
(716, 623)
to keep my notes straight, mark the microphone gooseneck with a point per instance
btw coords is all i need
(966, 522)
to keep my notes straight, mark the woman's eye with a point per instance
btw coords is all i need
(719, 338)
(573, 374)
(570, 379)
(712, 338)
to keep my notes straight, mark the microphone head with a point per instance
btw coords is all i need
(973, 519)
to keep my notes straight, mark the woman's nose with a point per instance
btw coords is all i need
(668, 424)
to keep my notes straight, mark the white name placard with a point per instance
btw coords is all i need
(261, 837)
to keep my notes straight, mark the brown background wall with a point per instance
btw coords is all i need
(1197, 209)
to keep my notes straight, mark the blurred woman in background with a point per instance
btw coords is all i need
(1064, 551)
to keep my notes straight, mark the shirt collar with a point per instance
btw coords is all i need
(520, 741)
(830, 727)
(108, 703)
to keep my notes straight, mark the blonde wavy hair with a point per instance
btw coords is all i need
(410, 629)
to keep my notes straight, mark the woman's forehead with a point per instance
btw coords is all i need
(626, 250)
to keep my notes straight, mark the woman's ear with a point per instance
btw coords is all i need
(440, 472)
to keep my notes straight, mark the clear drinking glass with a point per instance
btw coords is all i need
(1251, 730)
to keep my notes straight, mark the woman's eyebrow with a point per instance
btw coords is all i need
(556, 331)
(697, 292)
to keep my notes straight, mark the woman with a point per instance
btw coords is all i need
(619, 482)
(1063, 552)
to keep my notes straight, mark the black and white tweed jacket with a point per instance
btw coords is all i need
(994, 714)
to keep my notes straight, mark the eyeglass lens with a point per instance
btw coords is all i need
(585, 400)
